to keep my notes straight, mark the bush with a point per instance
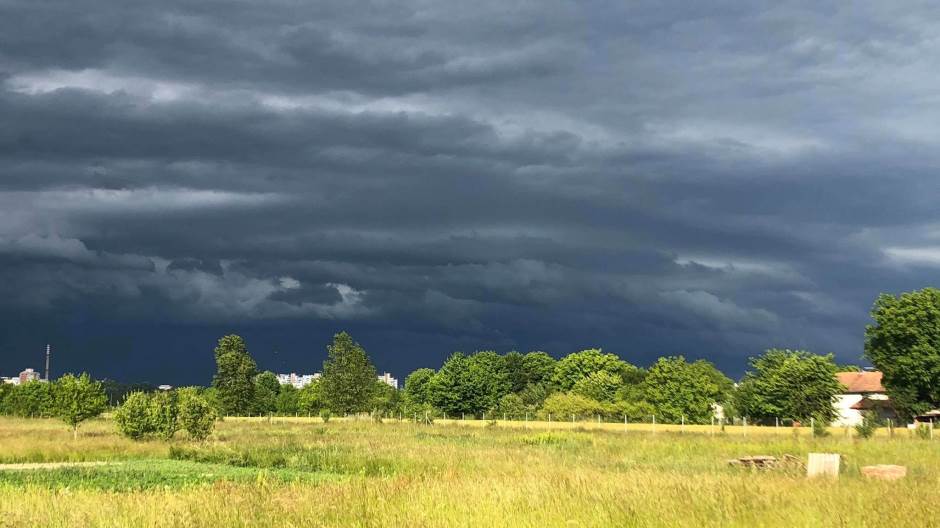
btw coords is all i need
(196, 416)
(325, 415)
(922, 431)
(820, 427)
(134, 417)
(164, 414)
(869, 424)
(563, 406)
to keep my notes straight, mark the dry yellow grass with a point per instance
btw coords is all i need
(471, 475)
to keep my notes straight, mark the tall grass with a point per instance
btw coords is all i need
(451, 475)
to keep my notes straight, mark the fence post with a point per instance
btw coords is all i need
(682, 426)
(625, 423)
(745, 426)
(654, 423)
(549, 417)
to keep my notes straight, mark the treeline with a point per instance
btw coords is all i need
(73, 399)
(782, 384)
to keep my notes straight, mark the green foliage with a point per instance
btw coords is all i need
(32, 399)
(601, 386)
(196, 416)
(562, 406)
(235, 370)
(820, 426)
(77, 399)
(417, 386)
(922, 431)
(309, 399)
(572, 368)
(164, 414)
(134, 418)
(904, 344)
(677, 388)
(266, 390)
(789, 384)
(635, 411)
(537, 368)
(512, 407)
(349, 377)
(869, 424)
(386, 400)
(288, 400)
(469, 384)
(325, 415)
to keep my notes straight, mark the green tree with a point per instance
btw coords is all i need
(676, 389)
(904, 344)
(386, 400)
(310, 399)
(564, 406)
(78, 399)
(235, 370)
(538, 368)
(196, 416)
(288, 400)
(511, 406)
(449, 389)
(488, 379)
(417, 386)
(601, 386)
(469, 384)
(164, 414)
(573, 367)
(134, 418)
(266, 389)
(514, 363)
(349, 377)
(788, 384)
(32, 399)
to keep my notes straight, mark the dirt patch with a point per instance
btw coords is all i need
(52, 465)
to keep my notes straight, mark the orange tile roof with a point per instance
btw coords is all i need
(856, 382)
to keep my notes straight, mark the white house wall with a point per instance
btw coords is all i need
(845, 414)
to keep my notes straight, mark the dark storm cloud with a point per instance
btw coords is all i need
(651, 178)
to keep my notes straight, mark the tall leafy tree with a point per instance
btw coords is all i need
(904, 344)
(266, 389)
(78, 399)
(417, 386)
(515, 370)
(348, 383)
(450, 390)
(489, 379)
(235, 370)
(573, 367)
(601, 386)
(788, 384)
(677, 389)
(288, 400)
(537, 368)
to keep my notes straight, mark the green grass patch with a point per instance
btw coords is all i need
(135, 475)
(328, 459)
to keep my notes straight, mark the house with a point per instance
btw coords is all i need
(863, 392)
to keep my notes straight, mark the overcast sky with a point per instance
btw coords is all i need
(708, 179)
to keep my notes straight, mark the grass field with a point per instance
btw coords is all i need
(301, 472)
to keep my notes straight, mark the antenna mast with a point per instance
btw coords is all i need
(48, 353)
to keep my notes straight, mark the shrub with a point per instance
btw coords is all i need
(563, 406)
(325, 415)
(869, 424)
(820, 427)
(164, 414)
(922, 431)
(196, 416)
(134, 418)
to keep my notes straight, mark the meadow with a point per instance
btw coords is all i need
(289, 472)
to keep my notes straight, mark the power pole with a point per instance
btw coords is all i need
(48, 353)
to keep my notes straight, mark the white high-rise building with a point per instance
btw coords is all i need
(389, 380)
(298, 381)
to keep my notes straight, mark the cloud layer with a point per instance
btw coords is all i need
(653, 179)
